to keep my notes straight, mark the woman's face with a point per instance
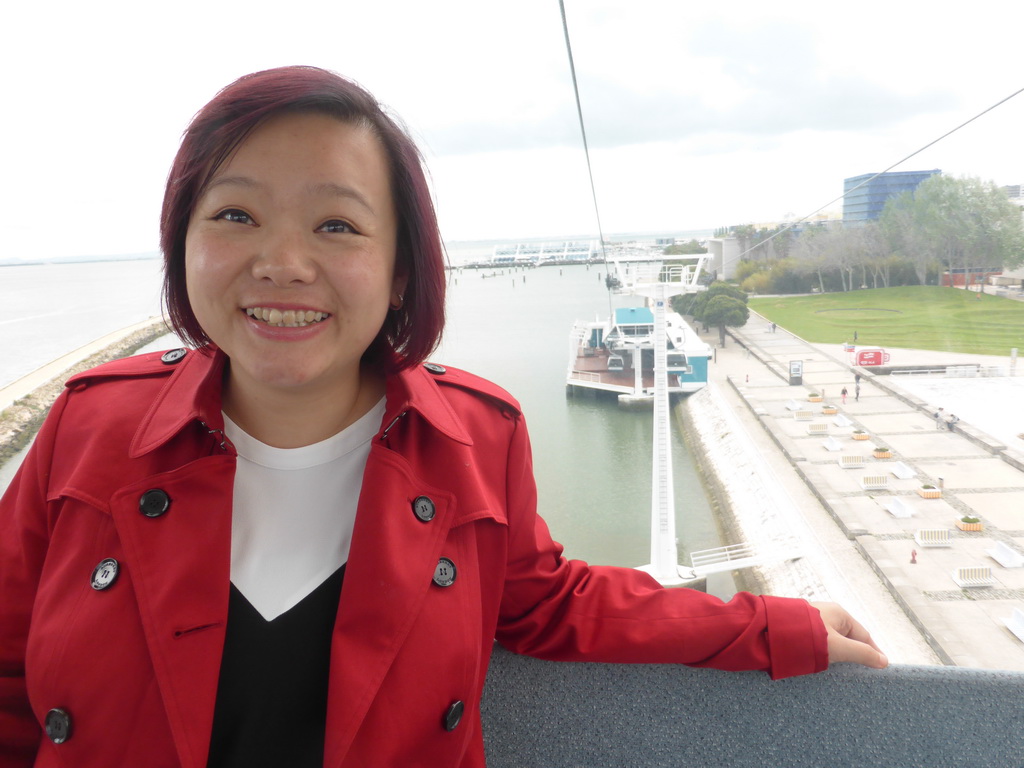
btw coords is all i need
(290, 254)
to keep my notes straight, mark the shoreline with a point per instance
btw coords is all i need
(723, 507)
(32, 395)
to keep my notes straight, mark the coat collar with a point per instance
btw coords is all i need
(193, 393)
(416, 389)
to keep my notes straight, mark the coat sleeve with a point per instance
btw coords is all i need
(25, 522)
(559, 609)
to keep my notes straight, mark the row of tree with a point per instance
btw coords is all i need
(958, 223)
(946, 224)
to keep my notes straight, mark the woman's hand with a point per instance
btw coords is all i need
(847, 639)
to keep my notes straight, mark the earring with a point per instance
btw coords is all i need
(401, 302)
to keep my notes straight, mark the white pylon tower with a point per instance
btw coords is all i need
(658, 284)
(664, 546)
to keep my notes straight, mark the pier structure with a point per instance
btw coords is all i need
(657, 282)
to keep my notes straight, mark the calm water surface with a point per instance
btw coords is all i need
(48, 310)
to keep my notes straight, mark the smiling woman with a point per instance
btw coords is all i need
(295, 543)
(212, 140)
(297, 223)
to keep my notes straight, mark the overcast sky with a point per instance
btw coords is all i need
(699, 114)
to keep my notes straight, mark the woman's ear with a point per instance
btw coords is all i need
(398, 285)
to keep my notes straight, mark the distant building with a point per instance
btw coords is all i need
(725, 257)
(865, 201)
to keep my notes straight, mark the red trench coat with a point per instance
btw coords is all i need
(135, 666)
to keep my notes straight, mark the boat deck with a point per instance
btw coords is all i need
(590, 370)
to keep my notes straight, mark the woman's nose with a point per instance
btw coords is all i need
(284, 260)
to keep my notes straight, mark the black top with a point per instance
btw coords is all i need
(271, 705)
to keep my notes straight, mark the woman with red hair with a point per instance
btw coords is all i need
(294, 542)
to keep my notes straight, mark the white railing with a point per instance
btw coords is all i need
(959, 371)
(721, 554)
(745, 555)
(639, 274)
(922, 372)
(576, 337)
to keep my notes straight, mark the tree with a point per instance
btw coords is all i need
(721, 288)
(762, 243)
(689, 247)
(809, 254)
(723, 310)
(684, 303)
(842, 254)
(878, 256)
(745, 234)
(906, 235)
(720, 299)
(961, 223)
(693, 304)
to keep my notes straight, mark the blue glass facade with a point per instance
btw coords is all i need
(866, 203)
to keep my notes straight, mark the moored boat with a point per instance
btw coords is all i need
(618, 354)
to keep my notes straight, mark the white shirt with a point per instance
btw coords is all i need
(294, 510)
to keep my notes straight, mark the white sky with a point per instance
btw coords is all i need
(699, 114)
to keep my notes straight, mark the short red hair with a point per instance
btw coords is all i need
(409, 334)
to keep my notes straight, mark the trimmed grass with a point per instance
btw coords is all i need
(913, 317)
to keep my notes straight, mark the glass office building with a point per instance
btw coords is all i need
(865, 203)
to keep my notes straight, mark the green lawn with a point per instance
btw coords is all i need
(916, 317)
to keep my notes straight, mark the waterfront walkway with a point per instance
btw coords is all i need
(979, 475)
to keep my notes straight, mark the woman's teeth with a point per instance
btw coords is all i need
(287, 318)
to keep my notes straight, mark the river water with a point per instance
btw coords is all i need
(592, 460)
(48, 310)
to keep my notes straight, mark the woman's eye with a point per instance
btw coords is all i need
(335, 226)
(235, 215)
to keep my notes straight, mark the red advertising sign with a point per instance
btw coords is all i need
(867, 357)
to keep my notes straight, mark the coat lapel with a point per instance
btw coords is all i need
(180, 572)
(390, 569)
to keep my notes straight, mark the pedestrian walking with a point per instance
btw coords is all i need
(856, 392)
(843, 393)
(939, 419)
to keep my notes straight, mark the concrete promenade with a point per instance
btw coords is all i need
(979, 476)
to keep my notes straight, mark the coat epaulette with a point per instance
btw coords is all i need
(447, 375)
(147, 365)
